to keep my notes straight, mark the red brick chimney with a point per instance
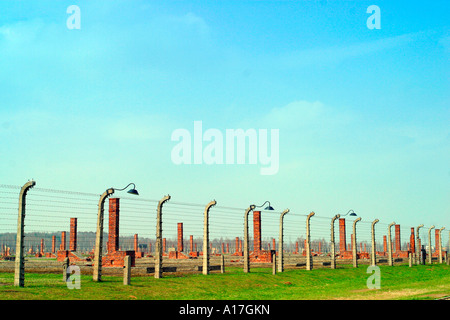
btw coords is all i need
(136, 245)
(73, 234)
(342, 239)
(53, 243)
(180, 237)
(436, 244)
(63, 241)
(256, 231)
(412, 241)
(113, 231)
(398, 247)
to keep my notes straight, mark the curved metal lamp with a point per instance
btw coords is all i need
(352, 213)
(131, 191)
(269, 207)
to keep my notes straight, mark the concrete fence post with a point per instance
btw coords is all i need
(274, 263)
(373, 256)
(440, 244)
(206, 237)
(354, 249)
(97, 272)
(430, 252)
(448, 249)
(390, 258)
(19, 265)
(159, 239)
(410, 259)
(333, 243)
(126, 270)
(309, 264)
(65, 268)
(246, 240)
(222, 264)
(280, 243)
(418, 246)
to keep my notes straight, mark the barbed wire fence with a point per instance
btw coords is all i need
(49, 213)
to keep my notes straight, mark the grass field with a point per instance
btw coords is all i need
(398, 282)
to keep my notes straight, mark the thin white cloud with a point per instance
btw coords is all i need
(135, 128)
(300, 114)
(324, 56)
(191, 19)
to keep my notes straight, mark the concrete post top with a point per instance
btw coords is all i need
(27, 186)
(284, 212)
(164, 199)
(247, 211)
(335, 217)
(311, 214)
(356, 220)
(375, 221)
(30, 184)
(212, 203)
(389, 227)
(105, 195)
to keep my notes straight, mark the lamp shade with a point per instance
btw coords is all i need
(133, 191)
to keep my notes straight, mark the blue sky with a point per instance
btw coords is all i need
(363, 114)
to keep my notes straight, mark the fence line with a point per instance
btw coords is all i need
(49, 212)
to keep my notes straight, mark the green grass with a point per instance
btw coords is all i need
(398, 282)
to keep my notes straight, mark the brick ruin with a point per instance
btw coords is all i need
(296, 248)
(397, 246)
(411, 245)
(347, 253)
(436, 245)
(397, 250)
(40, 252)
(238, 248)
(137, 253)
(5, 252)
(62, 246)
(114, 256)
(72, 253)
(52, 253)
(53, 244)
(258, 254)
(178, 252)
(343, 252)
(73, 234)
(192, 253)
